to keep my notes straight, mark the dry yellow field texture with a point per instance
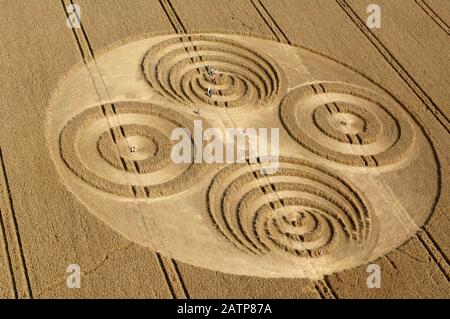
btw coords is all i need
(87, 178)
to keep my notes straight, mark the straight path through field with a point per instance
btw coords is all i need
(312, 16)
(419, 267)
(56, 229)
(440, 8)
(281, 36)
(322, 287)
(8, 287)
(426, 60)
(174, 281)
(434, 15)
(9, 228)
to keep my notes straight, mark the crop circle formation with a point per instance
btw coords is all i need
(347, 124)
(304, 210)
(128, 153)
(177, 68)
(341, 199)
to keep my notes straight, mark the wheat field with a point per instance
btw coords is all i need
(87, 178)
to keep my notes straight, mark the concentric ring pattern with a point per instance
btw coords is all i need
(304, 210)
(347, 124)
(128, 153)
(178, 69)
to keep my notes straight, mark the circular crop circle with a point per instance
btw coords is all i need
(347, 124)
(128, 153)
(302, 210)
(178, 69)
(143, 144)
(361, 178)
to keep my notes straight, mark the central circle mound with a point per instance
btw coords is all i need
(137, 148)
(128, 153)
(347, 124)
(178, 69)
(303, 210)
(135, 143)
